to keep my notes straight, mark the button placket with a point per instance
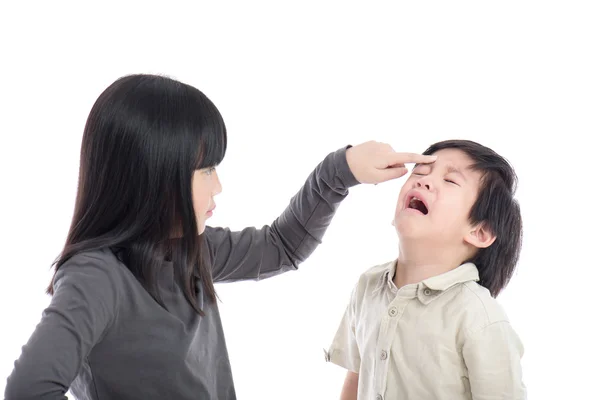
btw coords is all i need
(384, 344)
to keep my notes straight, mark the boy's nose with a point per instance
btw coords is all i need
(423, 184)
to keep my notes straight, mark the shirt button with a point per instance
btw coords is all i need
(393, 312)
(427, 292)
(379, 397)
(383, 355)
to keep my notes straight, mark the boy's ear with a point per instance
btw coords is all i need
(480, 236)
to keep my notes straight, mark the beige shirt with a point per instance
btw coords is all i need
(443, 338)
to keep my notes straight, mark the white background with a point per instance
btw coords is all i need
(295, 81)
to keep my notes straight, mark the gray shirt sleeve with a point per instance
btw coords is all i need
(81, 310)
(260, 253)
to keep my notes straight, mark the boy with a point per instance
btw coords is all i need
(427, 325)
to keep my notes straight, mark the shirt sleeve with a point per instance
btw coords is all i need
(81, 309)
(493, 359)
(260, 253)
(344, 348)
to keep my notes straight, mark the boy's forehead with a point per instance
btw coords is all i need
(454, 156)
(452, 159)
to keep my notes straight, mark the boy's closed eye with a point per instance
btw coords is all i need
(422, 171)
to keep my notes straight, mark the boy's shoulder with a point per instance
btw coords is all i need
(478, 305)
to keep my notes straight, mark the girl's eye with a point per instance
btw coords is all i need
(209, 171)
(449, 181)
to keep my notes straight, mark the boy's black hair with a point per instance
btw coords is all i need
(497, 208)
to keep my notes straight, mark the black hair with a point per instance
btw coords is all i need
(495, 207)
(144, 138)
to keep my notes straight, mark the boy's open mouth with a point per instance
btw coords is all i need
(416, 204)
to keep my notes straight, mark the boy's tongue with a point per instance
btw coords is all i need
(418, 205)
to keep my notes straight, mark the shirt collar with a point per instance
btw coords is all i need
(432, 287)
(387, 278)
(465, 273)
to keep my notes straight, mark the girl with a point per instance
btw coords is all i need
(133, 313)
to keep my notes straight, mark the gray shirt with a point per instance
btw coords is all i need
(104, 337)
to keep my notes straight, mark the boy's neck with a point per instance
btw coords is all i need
(418, 263)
